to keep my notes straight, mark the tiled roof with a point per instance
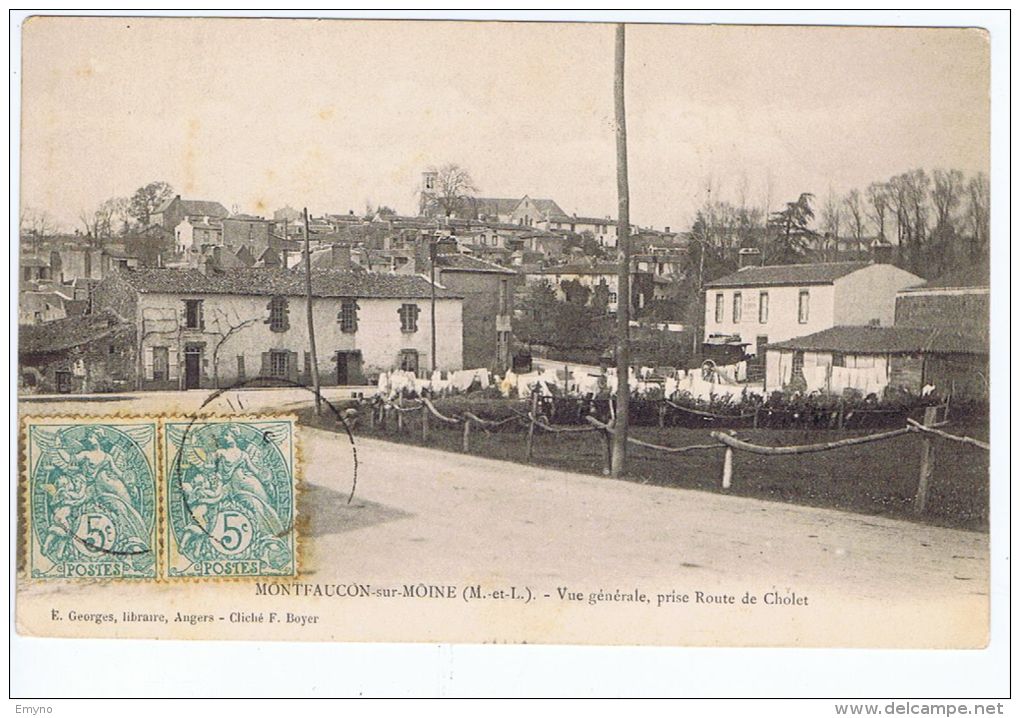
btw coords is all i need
(784, 274)
(599, 268)
(66, 333)
(197, 207)
(493, 205)
(889, 340)
(551, 210)
(587, 220)
(464, 263)
(270, 281)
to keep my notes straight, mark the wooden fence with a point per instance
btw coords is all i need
(934, 417)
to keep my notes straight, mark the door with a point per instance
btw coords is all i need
(342, 369)
(192, 367)
(348, 368)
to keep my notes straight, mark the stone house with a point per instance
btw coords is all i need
(487, 289)
(761, 305)
(592, 275)
(537, 213)
(218, 328)
(174, 210)
(76, 355)
(242, 230)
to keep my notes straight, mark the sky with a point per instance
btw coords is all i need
(334, 114)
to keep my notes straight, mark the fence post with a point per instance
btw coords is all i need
(607, 441)
(756, 410)
(400, 416)
(727, 468)
(531, 427)
(371, 416)
(662, 414)
(467, 435)
(927, 463)
(424, 422)
(842, 408)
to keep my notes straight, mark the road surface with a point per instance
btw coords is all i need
(420, 516)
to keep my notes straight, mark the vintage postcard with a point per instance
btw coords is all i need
(504, 332)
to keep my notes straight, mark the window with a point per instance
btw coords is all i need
(279, 364)
(737, 307)
(240, 367)
(192, 313)
(612, 297)
(348, 316)
(278, 314)
(838, 359)
(160, 363)
(720, 303)
(408, 318)
(802, 306)
(763, 307)
(409, 360)
(504, 293)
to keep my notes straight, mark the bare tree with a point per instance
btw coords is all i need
(109, 217)
(946, 196)
(854, 207)
(831, 219)
(878, 198)
(224, 326)
(158, 321)
(37, 222)
(453, 189)
(977, 214)
(909, 200)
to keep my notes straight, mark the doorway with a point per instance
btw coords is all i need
(192, 367)
(348, 368)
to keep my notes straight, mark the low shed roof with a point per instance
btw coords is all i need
(889, 340)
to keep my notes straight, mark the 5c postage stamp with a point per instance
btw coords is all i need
(230, 486)
(91, 496)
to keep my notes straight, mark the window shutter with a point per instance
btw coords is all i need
(147, 359)
(292, 366)
(266, 367)
(172, 363)
(201, 315)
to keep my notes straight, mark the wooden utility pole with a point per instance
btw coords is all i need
(433, 251)
(619, 454)
(311, 323)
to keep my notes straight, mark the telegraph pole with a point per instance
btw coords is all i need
(433, 251)
(623, 281)
(311, 324)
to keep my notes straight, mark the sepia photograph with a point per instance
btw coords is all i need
(465, 331)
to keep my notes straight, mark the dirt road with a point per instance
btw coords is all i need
(419, 516)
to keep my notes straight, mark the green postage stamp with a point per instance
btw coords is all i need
(230, 488)
(92, 498)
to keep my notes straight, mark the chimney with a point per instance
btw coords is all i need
(667, 230)
(748, 257)
(340, 257)
(881, 252)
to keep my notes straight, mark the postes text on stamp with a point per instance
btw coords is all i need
(92, 499)
(230, 486)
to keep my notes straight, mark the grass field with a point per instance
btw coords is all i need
(877, 478)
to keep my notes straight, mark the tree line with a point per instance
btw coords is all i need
(938, 220)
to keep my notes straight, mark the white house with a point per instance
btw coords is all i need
(774, 303)
(193, 233)
(198, 329)
(603, 229)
